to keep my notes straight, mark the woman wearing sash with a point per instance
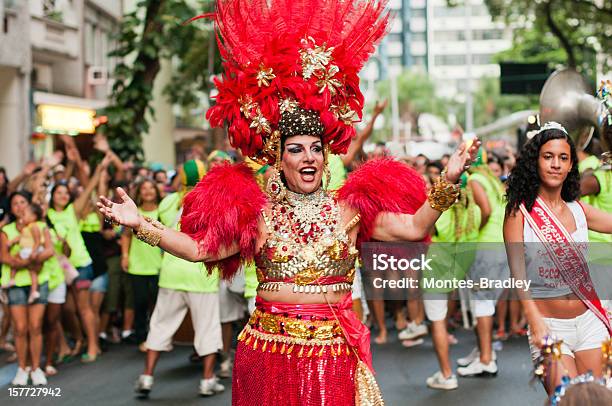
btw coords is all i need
(289, 97)
(546, 231)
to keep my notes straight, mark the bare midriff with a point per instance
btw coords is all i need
(286, 295)
(562, 307)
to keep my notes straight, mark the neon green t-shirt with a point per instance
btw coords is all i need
(66, 224)
(493, 230)
(177, 273)
(602, 201)
(143, 258)
(452, 255)
(592, 162)
(56, 273)
(91, 223)
(337, 172)
(22, 277)
(250, 280)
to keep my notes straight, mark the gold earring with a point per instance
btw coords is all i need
(326, 171)
(275, 187)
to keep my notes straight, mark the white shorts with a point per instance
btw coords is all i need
(585, 332)
(232, 306)
(483, 307)
(57, 295)
(436, 306)
(170, 310)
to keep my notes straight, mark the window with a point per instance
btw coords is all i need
(418, 36)
(492, 34)
(443, 36)
(48, 7)
(395, 61)
(417, 12)
(450, 60)
(459, 11)
(395, 37)
(481, 59)
(419, 61)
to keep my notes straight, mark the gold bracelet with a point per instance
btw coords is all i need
(150, 235)
(442, 194)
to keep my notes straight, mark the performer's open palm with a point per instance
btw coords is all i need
(461, 160)
(124, 213)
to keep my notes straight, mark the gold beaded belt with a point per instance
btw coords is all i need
(275, 332)
(342, 287)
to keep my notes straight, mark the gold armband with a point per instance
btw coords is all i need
(442, 194)
(151, 234)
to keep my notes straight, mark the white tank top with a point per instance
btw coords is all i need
(545, 279)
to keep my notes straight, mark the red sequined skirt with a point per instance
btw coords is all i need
(293, 355)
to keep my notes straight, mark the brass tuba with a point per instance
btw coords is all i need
(568, 99)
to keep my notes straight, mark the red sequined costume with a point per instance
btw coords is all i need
(290, 354)
(291, 69)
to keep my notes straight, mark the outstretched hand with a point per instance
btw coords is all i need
(124, 213)
(461, 160)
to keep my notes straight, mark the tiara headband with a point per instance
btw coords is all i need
(549, 125)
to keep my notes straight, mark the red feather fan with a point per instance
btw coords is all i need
(382, 185)
(221, 210)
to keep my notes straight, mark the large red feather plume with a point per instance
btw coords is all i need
(268, 39)
(223, 209)
(382, 185)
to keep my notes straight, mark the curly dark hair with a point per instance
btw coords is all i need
(524, 181)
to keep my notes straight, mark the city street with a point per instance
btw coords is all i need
(401, 373)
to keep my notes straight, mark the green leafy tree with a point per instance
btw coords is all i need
(580, 28)
(154, 31)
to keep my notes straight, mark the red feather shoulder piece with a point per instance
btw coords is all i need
(224, 209)
(382, 185)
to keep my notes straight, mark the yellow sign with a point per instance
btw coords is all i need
(69, 120)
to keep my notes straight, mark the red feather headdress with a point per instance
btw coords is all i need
(280, 55)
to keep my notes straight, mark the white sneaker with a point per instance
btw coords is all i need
(468, 359)
(438, 381)
(477, 368)
(21, 378)
(144, 384)
(38, 377)
(413, 331)
(209, 387)
(225, 370)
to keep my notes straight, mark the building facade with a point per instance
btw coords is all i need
(15, 70)
(451, 44)
(55, 73)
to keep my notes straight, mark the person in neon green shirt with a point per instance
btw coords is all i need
(490, 261)
(64, 216)
(55, 300)
(183, 286)
(142, 262)
(452, 254)
(27, 318)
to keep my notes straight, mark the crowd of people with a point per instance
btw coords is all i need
(89, 284)
(97, 251)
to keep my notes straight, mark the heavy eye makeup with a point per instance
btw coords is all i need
(297, 148)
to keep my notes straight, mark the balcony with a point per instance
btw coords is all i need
(53, 38)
